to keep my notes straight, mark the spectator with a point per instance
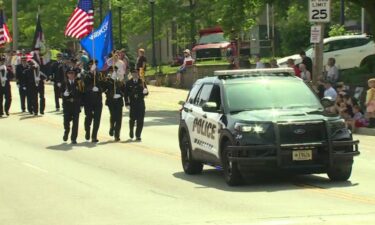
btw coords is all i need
(370, 103)
(329, 90)
(259, 64)
(358, 120)
(331, 71)
(188, 61)
(140, 64)
(290, 64)
(305, 74)
(122, 55)
(273, 63)
(307, 61)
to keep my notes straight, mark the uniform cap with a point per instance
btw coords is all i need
(71, 70)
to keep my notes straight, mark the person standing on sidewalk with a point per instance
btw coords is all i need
(140, 65)
(370, 103)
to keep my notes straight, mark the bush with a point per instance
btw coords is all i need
(357, 76)
(337, 30)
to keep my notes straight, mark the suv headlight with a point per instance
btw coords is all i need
(337, 126)
(251, 128)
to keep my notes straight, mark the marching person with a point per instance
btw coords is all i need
(135, 91)
(35, 89)
(21, 77)
(58, 79)
(92, 101)
(5, 90)
(71, 94)
(114, 90)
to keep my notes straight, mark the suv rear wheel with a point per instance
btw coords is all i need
(340, 173)
(232, 174)
(189, 165)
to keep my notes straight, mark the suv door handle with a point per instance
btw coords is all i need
(205, 116)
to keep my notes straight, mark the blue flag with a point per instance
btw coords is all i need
(103, 42)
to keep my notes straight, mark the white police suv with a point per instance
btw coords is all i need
(262, 120)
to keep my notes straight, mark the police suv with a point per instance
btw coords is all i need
(262, 120)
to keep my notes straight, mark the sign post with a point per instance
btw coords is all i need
(319, 14)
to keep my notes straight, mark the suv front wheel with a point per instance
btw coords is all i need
(339, 173)
(189, 165)
(232, 174)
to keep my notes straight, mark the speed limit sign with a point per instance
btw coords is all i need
(320, 11)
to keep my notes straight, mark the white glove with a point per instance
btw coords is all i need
(95, 89)
(59, 84)
(127, 107)
(66, 93)
(24, 88)
(145, 91)
(93, 68)
(116, 96)
(114, 76)
(79, 75)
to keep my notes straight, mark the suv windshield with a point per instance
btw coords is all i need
(212, 38)
(269, 94)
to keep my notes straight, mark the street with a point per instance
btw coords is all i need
(44, 181)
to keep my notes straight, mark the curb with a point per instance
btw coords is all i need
(365, 131)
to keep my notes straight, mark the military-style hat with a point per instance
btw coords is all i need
(2, 58)
(371, 80)
(70, 70)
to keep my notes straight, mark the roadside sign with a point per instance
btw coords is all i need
(320, 11)
(315, 34)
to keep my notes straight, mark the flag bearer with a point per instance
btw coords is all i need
(35, 88)
(114, 90)
(21, 77)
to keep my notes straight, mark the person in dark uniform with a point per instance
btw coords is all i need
(57, 73)
(21, 78)
(35, 89)
(92, 101)
(71, 94)
(114, 90)
(5, 89)
(135, 91)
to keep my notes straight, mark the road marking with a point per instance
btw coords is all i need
(337, 194)
(35, 167)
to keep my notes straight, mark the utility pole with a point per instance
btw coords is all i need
(15, 24)
(342, 13)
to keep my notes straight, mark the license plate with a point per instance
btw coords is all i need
(302, 155)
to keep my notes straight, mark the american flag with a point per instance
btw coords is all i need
(4, 32)
(81, 21)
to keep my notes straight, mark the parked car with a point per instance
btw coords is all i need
(211, 45)
(349, 51)
(248, 121)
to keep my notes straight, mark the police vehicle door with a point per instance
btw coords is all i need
(206, 124)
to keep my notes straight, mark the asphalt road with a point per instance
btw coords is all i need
(44, 181)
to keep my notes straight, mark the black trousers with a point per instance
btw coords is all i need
(137, 115)
(23, 95)
(6, 94)
(115, 119)
(69, 116)
(57, 91)
(32, 98)
(93, 112)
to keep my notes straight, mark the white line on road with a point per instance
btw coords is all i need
(35, 167)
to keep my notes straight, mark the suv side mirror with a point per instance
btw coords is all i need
(210, 107)
(181, 102)
(327, 102)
